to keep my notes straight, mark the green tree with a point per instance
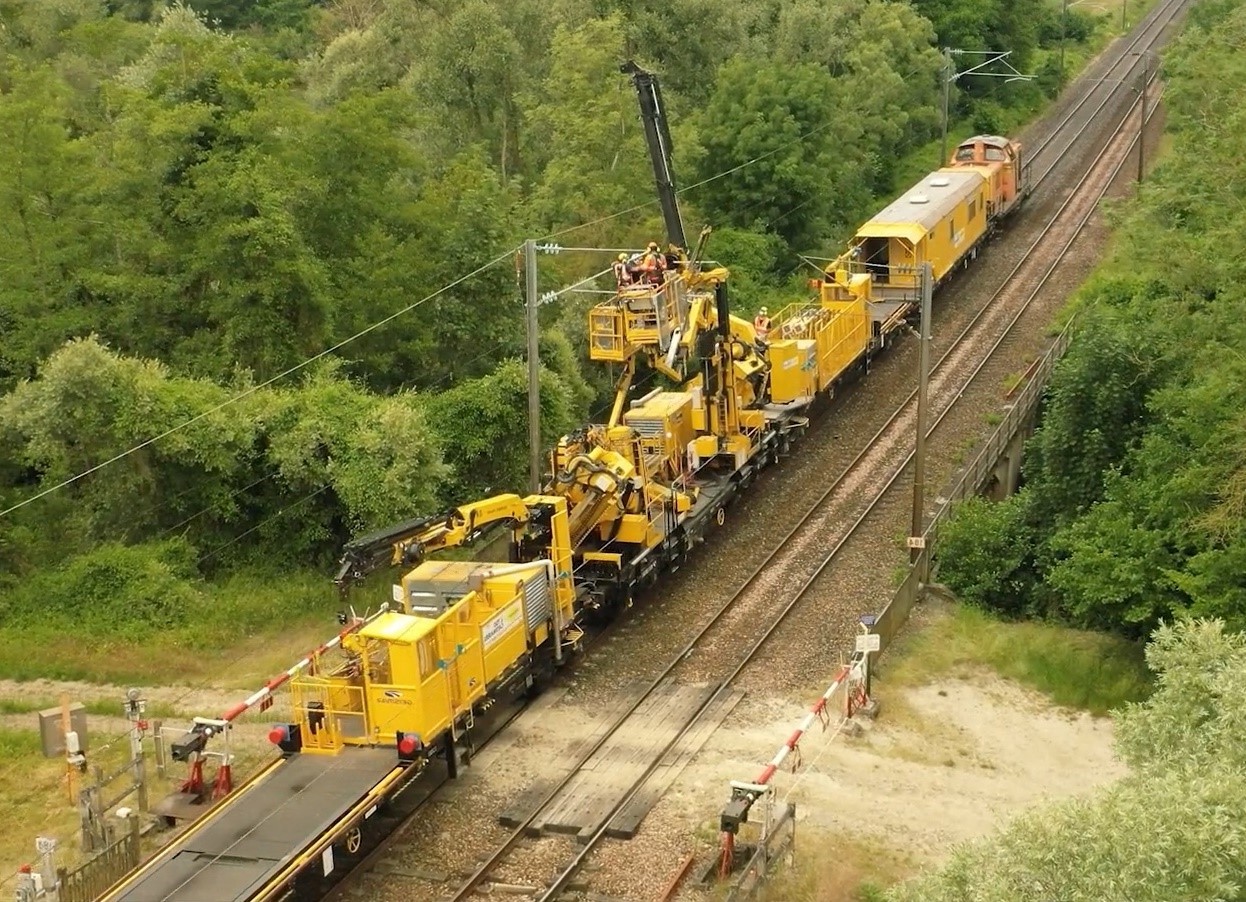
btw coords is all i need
(467, 82)
(986, 554)
(293, 469)
(585, 136)
(687, 39)
(39, 187)
(886, 70)
(477, 422)
(1093, 411)
(805, 163)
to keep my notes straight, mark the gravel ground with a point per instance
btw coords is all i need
(459, 830)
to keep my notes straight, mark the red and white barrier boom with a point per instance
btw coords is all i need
(853, 681)
(191, 746)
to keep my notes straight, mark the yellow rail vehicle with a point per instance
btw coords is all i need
(375, 705)
(625, 501)
(420, 675)
(941, 220)
(629, 498)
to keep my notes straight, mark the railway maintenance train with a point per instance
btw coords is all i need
(626, 501)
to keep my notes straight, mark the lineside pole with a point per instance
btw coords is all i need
(534, 368)
(1146, 65)
(923, 385)
(949, 74)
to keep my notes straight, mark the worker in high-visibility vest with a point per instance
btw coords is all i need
(761, 324)
(654, 264)
(622, 272)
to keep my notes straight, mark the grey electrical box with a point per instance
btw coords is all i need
(52, 733)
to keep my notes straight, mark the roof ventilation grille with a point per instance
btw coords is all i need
(919, 199)
(939, 181)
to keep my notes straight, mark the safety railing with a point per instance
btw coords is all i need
(605, 329)
(969, 482)
(92, 879)
(329, 711)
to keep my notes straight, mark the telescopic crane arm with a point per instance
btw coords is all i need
(368, 553)
(406, 544)
(658, 137)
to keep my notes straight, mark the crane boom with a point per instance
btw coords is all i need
(658, 137)
(407, 543)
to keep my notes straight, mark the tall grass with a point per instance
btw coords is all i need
(225, 619)
(1088, 671)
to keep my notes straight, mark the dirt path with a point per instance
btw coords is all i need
(944, 763)
(207, 701)
(948, 762)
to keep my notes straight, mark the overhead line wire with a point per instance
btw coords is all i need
(253, 389)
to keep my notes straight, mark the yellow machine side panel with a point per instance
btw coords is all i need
(460, 645)
(997, 179)
(904, 255)
(664, 424)
(842, 340)
(793, 370)
(633, 529)
(705, 446)
(404, 666)
(752, 419)
(422, 709)
(955, 234)
(503, 639)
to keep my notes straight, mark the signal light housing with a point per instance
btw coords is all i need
(410, 746)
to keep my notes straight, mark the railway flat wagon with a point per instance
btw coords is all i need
(301, 817)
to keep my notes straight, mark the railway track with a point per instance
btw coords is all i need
(1125, 62)
(875, 468)
(700, 660)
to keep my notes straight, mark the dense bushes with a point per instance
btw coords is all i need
(113, 591)
(348, 459)
(1169, 831)
(200, 196)
(1133, 508)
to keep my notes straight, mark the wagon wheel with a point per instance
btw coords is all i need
(354, 840)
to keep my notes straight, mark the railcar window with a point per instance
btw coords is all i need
(995, 155)
(973, 209)
(964, 155)
(426, 658)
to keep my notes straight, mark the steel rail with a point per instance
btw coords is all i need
(469, 886)
(1139, 35)
(593, 841)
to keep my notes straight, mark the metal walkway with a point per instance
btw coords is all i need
(239, 848)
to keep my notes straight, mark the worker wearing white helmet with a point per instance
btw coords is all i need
(761, 324)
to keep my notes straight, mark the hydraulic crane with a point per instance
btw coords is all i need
(658, 137)
(639, 488)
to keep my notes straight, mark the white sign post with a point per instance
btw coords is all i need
(869, 642)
